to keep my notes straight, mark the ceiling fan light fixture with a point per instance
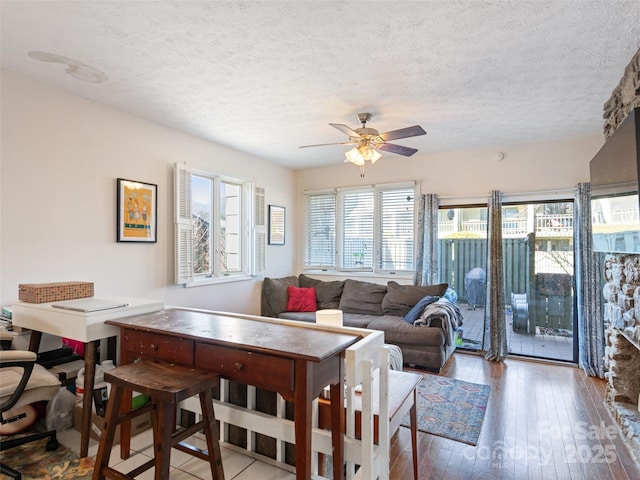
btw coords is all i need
(369, 140)
(372, 154)
(354, 156)
(361, 154)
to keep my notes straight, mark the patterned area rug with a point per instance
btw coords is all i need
(451, 408)
(36, 463)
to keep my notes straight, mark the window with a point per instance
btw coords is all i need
(360, 229)
(215, 238)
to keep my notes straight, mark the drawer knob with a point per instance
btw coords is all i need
(154, 347)
(238, 366)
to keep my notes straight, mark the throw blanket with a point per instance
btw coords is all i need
(447, 313)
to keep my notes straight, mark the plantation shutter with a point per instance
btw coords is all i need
(396, 236)
(259, 232)
(320, 234)
(183, 225)
(356, 232)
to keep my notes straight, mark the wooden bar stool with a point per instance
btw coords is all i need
(166, 385)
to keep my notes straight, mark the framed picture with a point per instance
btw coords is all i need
(276, 225)
(137, 211)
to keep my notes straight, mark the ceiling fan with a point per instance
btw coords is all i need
(368, 141)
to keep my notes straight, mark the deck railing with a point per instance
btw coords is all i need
(556, 225)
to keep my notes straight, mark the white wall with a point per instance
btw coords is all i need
(543, 165)
(468, 174)
(60, 157)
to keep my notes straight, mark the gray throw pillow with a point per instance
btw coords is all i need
(327, 293)
(362, 297)
(275, 296)
(400, 299)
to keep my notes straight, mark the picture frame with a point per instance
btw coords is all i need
(137, 211)
(276, 225)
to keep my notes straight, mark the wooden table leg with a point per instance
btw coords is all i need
(90, 351)
(34, 341)
(302, 419)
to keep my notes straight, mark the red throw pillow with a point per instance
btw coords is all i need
(301, 299)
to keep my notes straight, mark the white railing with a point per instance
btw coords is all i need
(545, 226)
(554, 225)
(629, 215)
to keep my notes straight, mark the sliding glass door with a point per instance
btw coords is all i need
(538, 274)
(539, 279)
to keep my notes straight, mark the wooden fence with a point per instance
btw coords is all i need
(457, 257)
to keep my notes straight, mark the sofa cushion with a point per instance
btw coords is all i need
(357, 321)
(327, 293)
(399, 332)
(402, 298)
(275, 295)
(301, 299)
(299, 316)
(362, 297)
(348, 319)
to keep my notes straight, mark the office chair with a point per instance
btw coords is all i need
(22, 383)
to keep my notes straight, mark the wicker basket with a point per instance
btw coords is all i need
(54, 292)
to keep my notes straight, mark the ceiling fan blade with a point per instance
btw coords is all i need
(403, 133)
(345, 129)
(399, 149)
(326, 144)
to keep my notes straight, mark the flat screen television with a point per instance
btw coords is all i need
(615, 200)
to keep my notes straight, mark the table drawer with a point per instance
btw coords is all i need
(162, 347)
(265, 371)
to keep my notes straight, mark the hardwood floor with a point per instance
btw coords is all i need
(543, 421)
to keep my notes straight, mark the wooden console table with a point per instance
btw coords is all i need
(294, 361)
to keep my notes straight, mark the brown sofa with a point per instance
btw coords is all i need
(373, 306)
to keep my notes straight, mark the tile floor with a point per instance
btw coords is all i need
(540, 345)
(183, 466)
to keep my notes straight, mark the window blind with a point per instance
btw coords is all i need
(396, 229)
(356, 209)
(320, 237)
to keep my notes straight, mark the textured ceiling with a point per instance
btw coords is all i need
(268, 76)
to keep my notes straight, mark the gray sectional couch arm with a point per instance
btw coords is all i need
(372, 306)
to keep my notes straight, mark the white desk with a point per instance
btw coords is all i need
(86, 327)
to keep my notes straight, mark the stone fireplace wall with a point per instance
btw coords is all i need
(621, 292)
(624, 97)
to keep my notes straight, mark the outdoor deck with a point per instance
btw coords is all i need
(542, 345)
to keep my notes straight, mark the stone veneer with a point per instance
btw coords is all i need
(624, 97)
(621, 292)
(622, 352)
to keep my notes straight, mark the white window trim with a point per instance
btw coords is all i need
(367, 272)
(253, 236)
